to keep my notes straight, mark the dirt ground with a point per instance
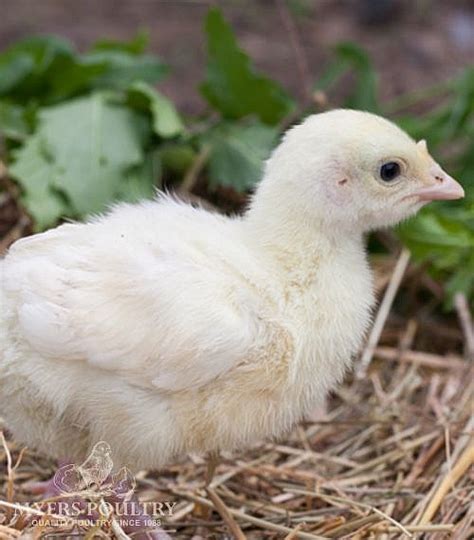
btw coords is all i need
(413, 43)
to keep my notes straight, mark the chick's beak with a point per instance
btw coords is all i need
(442, 187)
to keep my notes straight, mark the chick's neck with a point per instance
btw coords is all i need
(288, 241)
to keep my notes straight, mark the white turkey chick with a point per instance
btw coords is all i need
(165, 329)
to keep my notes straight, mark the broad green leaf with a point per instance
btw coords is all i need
(33, 60)
(14, 68)
(43, 50)
(12, 121)
(46, 69)
(237, 153)
(121, 69)
(166, 119)
(232, 86)
(35, 173)
(72, 77)
(430, 235)
(141, 181)
(447, 242)
(92, 144)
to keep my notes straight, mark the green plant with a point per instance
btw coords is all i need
(443, 235)
(84, 130)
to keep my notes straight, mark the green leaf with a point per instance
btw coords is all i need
(232, 86)
(461, 281)
(136, 45)
(365, 93)
(46, 69)
(237, 153)
(443, 235)
(446, 240)
(350, 57)
(121, 69)
(12, 121)
(431, 230)
(92, 143)
(26, 67)
(72, 77)
(167, 122)
(35, 174)
(43, 50)
(141, 181)
(334, 72)
(177, 157)
(14, 68)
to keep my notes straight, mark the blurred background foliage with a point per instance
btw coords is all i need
(83, 130)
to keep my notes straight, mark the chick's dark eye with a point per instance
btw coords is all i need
(389, 171)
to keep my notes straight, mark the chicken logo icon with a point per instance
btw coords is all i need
(93, 496)
(95, 476)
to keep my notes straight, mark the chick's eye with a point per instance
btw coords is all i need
(389, 171)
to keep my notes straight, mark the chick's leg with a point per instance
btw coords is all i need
(213, 459)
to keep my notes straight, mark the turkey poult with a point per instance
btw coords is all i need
(164, 329)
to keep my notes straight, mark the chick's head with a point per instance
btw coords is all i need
(354, 170)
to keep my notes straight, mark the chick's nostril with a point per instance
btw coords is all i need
(440, 179)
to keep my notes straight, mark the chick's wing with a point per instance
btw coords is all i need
(156, 317)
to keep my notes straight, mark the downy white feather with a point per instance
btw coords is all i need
(164, 329)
